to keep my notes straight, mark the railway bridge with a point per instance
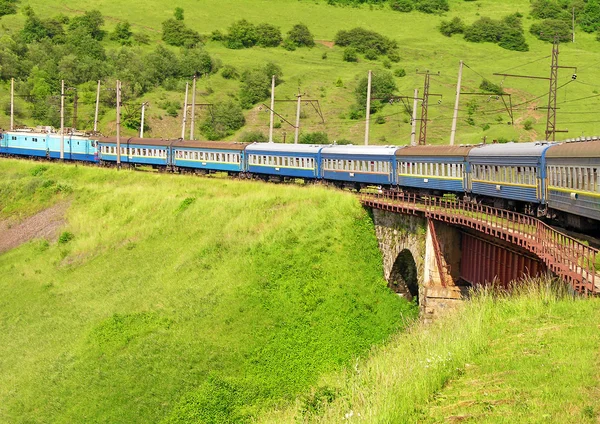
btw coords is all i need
(435, 248)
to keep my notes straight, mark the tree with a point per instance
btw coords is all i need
(225, 119)
(256, 86)
(300, 36)
(178, 14)
(91, 22)
(175, 33)
(455, 26)
(383, 87)
(549, 28)
(160, 65)
(268, 35)
(196, 62)
(122, 33)
(242, 34)
(590, 19)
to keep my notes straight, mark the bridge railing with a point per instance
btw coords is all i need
(569, 258)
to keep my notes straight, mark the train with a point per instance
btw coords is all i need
(555, 180)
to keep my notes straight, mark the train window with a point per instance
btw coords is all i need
(13, 138)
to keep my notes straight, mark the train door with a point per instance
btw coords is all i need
(3, 142)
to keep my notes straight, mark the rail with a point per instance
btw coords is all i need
(567, 257)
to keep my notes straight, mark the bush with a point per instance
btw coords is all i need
(547, 9)
(229, 72)
(253, 137)
(382, 87)
(402, 5)
(432, 6)
(350, 55)
(387, 64)
(490, 87)
(507, 32)
(175, 33)
(364, 41)
(7, 7)
(371, 54)
(380, 120)
(528, 125)
(400, 72)
(394, 56)
(256, 84)
(314, 138)
(217, 35)
(242, 34)
(65, 237)
(268, 35)
(225, 119)
(122, 33)
(589, 20)
(300, 36)
(549, 28)
(455, 26)
(289, 45)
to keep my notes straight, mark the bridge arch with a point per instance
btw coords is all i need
(404, 277)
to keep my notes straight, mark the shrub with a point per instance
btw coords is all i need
(548, 9)
(490, 87)
(225, 119)
(400, 72)
(589, 20)
(364, 41)
(289, 45)
(528, 125)
(371, 54)
(387, 64)
(300, 36)
(253, 137)
(7, 7)
(196, 62)
(175, 33)
(380, 120)
(402, 5)
(256, 84)
(268, 35)
(350, 55)
(455, 26)
(314, 138)
(241, 34)
(382, 87)
(229, 72)
(122, 33)
(65, 237)
(507, 32)
(432, 6)
(549, 28)
(324, 56)
(217, 35)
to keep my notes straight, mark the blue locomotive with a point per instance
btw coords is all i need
(558, 180)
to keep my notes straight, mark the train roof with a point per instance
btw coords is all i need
(221, 145)
(137, 141)
(350, 149)
(510, 149)
(434, 151)
(291, 148)
(579, 149)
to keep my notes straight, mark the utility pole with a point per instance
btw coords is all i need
(413, 131)
(142, 124)
(573, 25)
(551, 117)
(299, 96)
(272, 107)
(456, 102)
(12, 104)
(368, 117)
(62, 120)
(185, 105)
(75, 110)
(118, 124)
(97, 104)
(193, 108)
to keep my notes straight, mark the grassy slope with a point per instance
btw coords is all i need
(526, 359)
(250, 291)
(421, 47)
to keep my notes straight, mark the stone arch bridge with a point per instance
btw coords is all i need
(435, 249)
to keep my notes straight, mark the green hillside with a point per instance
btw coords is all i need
(170, 298)
(322, 75)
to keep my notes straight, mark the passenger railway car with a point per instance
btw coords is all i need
(136, 151)
(47, 144)
(207, 156)
(574, 181)
(511, 174)
(359, 165)
(437, 168)
(284, 160)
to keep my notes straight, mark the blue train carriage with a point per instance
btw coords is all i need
(573, 191)
(284, 161)
(26, 142)
(437, 169)
(155, 152)
(510, 175)
(208, 156)
(359, 166)
(75, 147)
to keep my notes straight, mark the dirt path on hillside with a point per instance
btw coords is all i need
(44, 224)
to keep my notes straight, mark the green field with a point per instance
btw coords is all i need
(177, 298)
(422, 47)
(527, 358)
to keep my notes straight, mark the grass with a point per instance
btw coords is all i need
(166, 290)
(528, 357)
(422, 47)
